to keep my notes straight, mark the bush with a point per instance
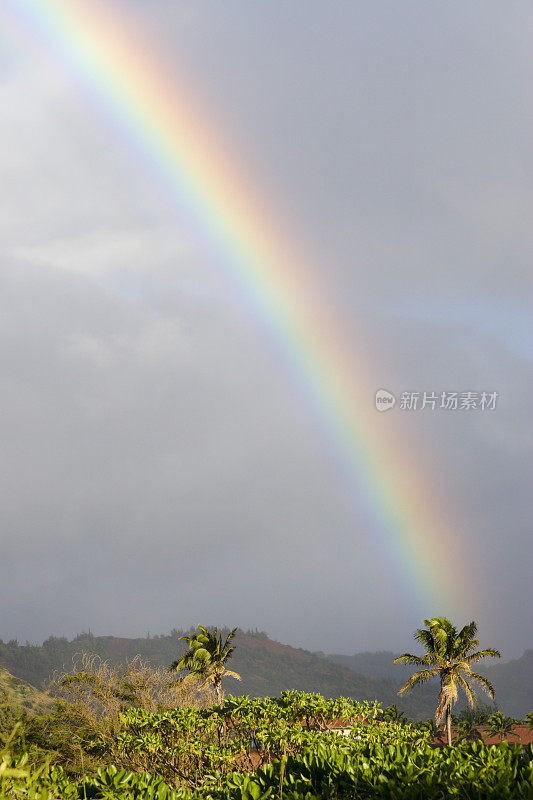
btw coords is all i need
(279, 748)
(187, 744)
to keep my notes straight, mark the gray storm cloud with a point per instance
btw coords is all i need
(161, 466)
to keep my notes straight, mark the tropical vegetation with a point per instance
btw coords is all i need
(268, 668)
(207, 658)
(449, 656)
(502, 726)
(132, 732)
(276, 748)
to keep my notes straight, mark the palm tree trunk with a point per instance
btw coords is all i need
(449, 726)
(218, 692)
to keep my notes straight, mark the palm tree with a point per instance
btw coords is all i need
(207, 657)
(467, 731)
(502, 726)
(448, 656)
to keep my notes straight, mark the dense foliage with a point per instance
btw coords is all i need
(186, 744)
(372, 765)
(134, 730)
(247, 749)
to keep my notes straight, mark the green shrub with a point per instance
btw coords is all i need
(280, 749)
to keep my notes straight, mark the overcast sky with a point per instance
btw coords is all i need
(159, 467)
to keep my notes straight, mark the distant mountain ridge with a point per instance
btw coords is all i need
(268, 667)
(378, 664)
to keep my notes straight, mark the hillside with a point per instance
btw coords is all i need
(267, 667)
(512, 680)
(19, 696)
(378, 664)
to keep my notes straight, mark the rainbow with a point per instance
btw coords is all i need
(174, 134)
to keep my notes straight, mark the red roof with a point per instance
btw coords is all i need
(521, 734)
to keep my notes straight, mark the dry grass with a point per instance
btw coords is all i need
(93, 693)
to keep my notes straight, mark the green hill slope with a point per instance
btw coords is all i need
(513, 682)
(267, 667)
(18, 695)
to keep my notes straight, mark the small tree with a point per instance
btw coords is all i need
(502, 726)
(391, 714)
(448, 656)
(467, 731)
(206, 659)
(479, 715)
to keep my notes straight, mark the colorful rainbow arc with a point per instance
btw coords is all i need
(165, 122)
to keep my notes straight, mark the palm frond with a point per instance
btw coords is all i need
(444, 634)
(443, 706)
(484, 683)
(409, 658)
(461, 666)
(418, 678)
(466, 640)
(489, 652)
(228, 673)
(426, 639)
(469, 692)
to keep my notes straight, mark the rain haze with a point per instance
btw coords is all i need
(163, 462)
